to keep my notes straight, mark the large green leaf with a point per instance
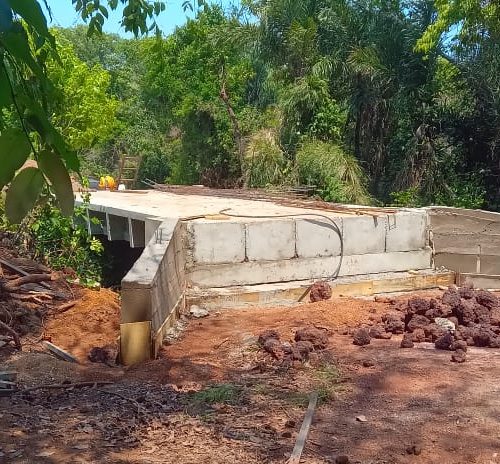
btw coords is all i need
(23, 194)
(32, 13)
(14, 151)
(17, 44)
(56, 172)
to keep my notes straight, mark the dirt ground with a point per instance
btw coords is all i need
(215, 397)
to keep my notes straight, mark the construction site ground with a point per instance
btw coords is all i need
(213, 396)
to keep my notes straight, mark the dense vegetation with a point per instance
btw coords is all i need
(369, 101)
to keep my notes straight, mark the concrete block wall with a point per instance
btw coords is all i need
(153, 290)
(227, 253)
(466, 241)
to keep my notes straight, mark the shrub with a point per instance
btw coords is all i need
(409, 198)
(265, 163)
(61, 243)
(337, 175)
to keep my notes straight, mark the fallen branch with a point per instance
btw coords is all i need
(60, 353)
(59, 386)
(21, 271)
(221, 343)
(65, 307)
(14, 285)
(13, 333)
(304, 430)
(32, 296)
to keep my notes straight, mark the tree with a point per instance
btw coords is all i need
(26, 45)
(469, 19)
(197, 83)
(82, 109)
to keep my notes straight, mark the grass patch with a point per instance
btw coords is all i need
(225, 393)
(328, 377)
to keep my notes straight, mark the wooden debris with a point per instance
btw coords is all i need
(13, 285)
(33, 297)
(60, 353)
(8, 376)
(65, 307)
(21, 271)
(13, 333)
(58, 386)
(304, 430)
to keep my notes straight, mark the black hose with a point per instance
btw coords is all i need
(333, 226)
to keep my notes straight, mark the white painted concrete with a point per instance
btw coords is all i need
(216, 242)
(225, 275)
(364, 234)
(152, 203)
(150, 227)
(316, 238)
(270, 240)
(406, 231)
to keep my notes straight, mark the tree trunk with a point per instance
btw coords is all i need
(234, 121)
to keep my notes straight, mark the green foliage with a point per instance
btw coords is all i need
(138, 15)
(337, 175)
(84, 112)
(59, 180)
(265, 162)
(469, 18)
(25, 45)
(350, 96)
(328, 377)
(460, 193)
(409, 198)
(218, 394)
(61, 243)
(27, 50)
(14, 143)
(184, 76)
(23, 194)
(463, 193)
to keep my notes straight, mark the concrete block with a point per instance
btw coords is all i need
(317, 238)
(488, 264)
(270, 240)
(97, 228)
(217, 242)
(364, 234)
(117, 227)
(406, 231)
(251, 273)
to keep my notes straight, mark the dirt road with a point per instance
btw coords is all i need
(215, 397)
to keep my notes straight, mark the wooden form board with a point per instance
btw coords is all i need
(135, 342)
(479, 280)
(248, 298)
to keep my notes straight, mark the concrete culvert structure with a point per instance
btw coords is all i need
(231, 252)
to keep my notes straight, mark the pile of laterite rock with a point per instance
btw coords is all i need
(461, 317)
(308, 341)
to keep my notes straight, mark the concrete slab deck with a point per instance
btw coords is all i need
(152, 203)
